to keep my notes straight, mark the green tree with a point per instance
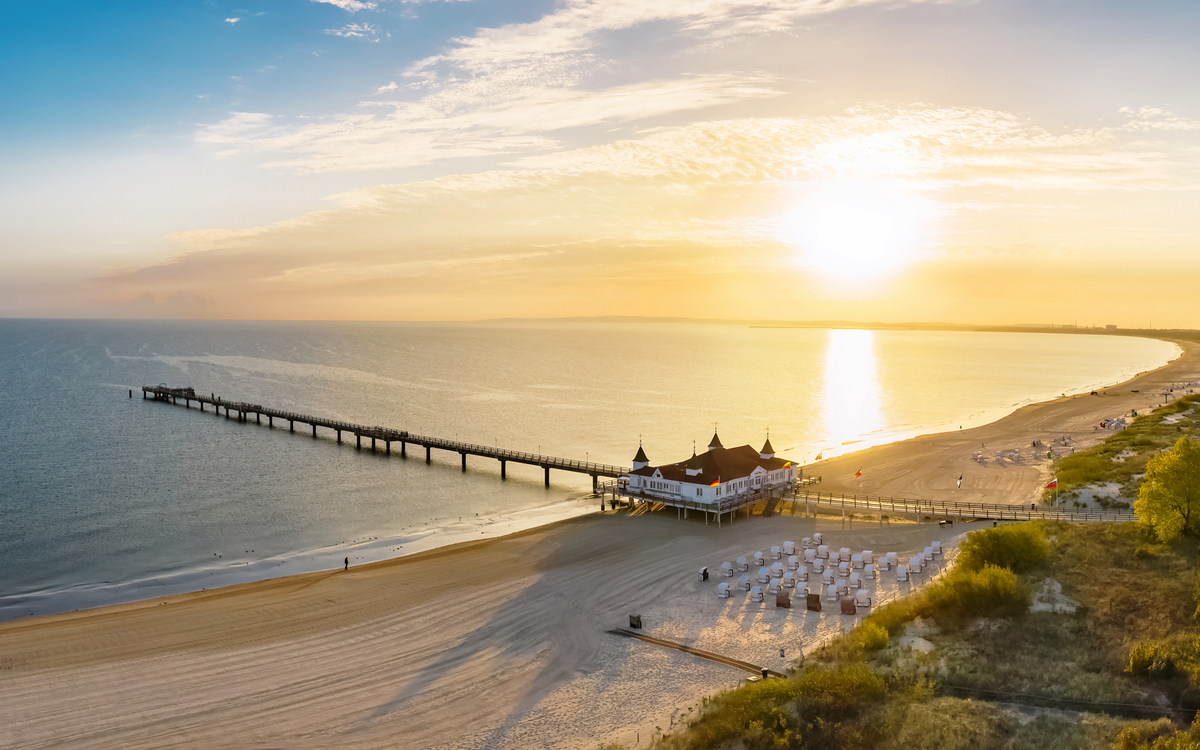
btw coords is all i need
(1169, 499)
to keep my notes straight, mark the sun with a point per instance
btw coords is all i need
(857, 232)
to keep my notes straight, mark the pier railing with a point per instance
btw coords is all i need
(386, 434)
(944, 509)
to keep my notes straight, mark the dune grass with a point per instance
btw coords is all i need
(1122, 457)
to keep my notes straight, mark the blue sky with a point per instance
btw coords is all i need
(141, 137)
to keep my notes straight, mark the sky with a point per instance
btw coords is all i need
(963, 161)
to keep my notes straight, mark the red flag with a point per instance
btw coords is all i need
(715, 482)
(858, 474)
(1053, 484)
(819, 455)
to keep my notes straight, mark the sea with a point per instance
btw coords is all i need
(107, 498)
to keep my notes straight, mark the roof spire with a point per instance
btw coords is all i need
(767, 451)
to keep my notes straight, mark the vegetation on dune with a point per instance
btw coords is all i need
(1169, 498)
(1122, 458)
(1132, 641)
(1018, 547)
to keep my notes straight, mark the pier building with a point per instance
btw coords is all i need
(715, 477)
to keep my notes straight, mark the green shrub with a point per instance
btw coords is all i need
(1020, 547)
(1166, 657)
(775, 713)
(892, 617)
(990, 592)
(874, 636)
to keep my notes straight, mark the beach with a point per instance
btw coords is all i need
(501, 642)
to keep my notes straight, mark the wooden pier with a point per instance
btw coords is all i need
(381, 435)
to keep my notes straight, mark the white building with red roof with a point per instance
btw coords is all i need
(715, 477)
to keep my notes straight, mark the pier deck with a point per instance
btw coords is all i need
(386, 435)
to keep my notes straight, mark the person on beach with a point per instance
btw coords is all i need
(347, 563)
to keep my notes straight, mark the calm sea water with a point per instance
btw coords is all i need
(104, 498)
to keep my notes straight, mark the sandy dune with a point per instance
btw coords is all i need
(498, 643)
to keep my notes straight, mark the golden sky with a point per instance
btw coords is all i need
(973, 162)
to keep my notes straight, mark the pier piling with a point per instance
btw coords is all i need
(388, 436)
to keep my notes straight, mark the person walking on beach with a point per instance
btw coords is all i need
(347, 563)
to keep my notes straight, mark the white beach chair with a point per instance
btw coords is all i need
(806, 541)
(937, 547)
(723, 590)
(844, 554)
(818, 538)
(810, 555)
(868, 571)
(868, 557)
(789, 548)
(744, 583)
(800, 592)
(789, 580)
(818, 565)
(727, 569)
(793, 562)
(759, 559)
(823, 551)
(856, 561)
(764, 575)
(915, 564)
(885, 563)
(742, 565)
(855, 581)
(862, 598)
(828, 577)
(802, 573)
(775, 585)
(901, 572)
(843, 569)
(841, 586)
(928, 554)
(756, 594)
(892, 559)
(831, 594)
(776, 552)
(777, 569)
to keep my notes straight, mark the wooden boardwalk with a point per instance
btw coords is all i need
(950, 510)
(377, 434)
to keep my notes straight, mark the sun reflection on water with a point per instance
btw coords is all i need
(850, 406)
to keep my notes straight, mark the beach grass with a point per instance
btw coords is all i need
(1121, 459)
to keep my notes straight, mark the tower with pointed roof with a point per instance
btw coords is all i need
(640, 461)
(715, 443)
(767, 451)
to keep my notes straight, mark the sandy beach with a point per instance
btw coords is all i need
(499, 643)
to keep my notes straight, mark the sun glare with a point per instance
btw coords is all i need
(857, 232)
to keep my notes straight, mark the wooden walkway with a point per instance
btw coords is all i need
(952, 510)
(377, 434)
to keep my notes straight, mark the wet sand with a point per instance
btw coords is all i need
(498, 643)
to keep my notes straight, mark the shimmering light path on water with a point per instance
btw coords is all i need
(111, 498)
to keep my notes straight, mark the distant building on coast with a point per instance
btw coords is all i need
(719, 474)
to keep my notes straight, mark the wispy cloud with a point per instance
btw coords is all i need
(353, 6)
(232, 20)
(1156, 118)
(504, 90)
(693, 191)
(384, 89)
(355, 30)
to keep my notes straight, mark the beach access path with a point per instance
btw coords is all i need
(497, 644)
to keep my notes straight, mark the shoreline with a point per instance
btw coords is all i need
(513, 626)
(96, 595)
